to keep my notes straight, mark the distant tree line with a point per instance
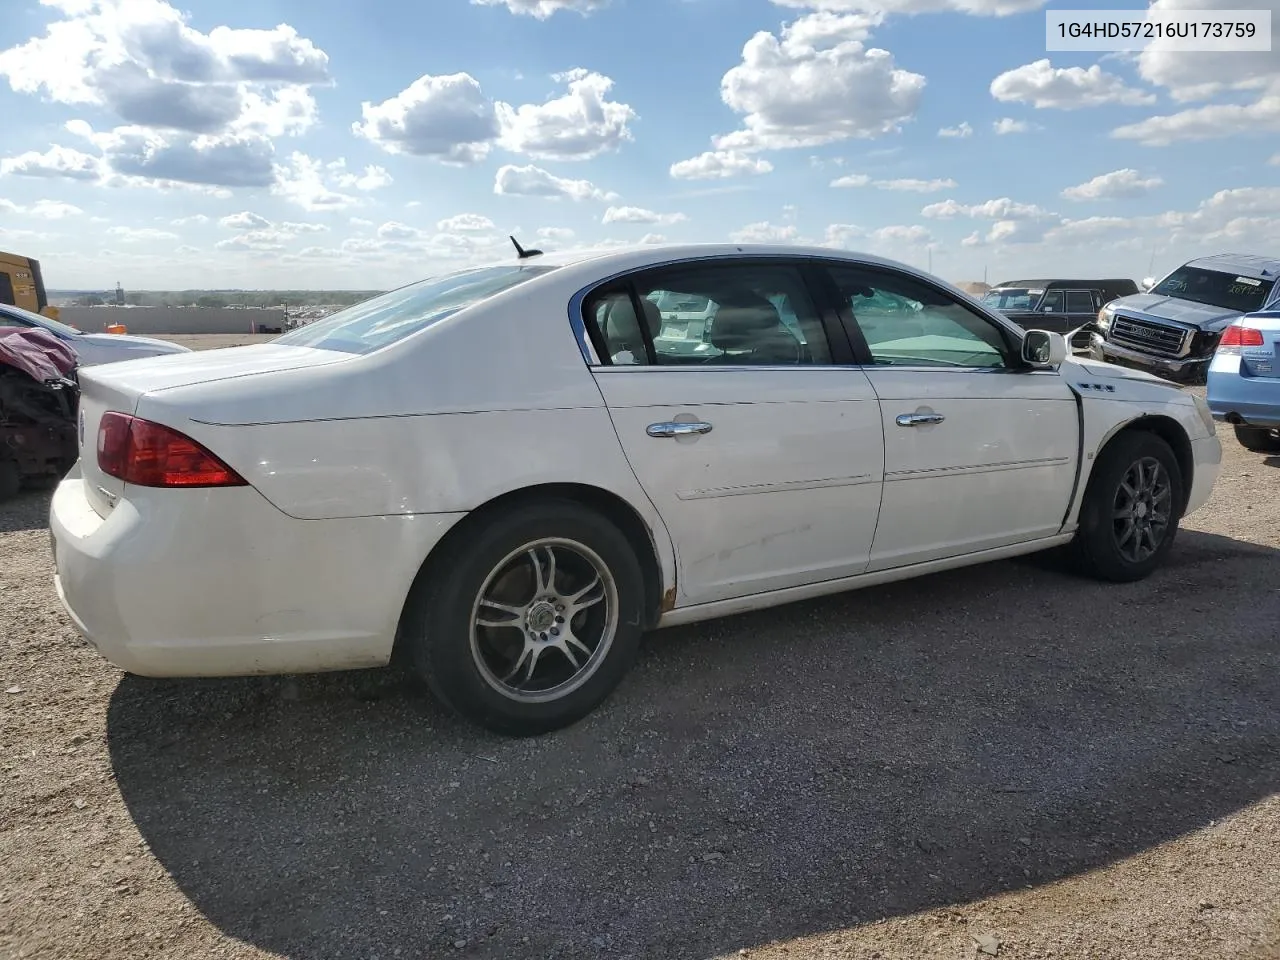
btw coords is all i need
(228, 298)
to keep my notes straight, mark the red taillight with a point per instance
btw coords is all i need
(1236, 336)
(152, 455)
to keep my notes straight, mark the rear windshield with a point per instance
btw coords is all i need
(1217, 289)
(383, 320)
(1012, 298)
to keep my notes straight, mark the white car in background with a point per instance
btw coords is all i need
(91, 348)
(497, 477)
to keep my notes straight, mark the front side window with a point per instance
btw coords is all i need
(383, 320)
(726, 314)
(908, 323)
(1215, 288)
(1052, 302)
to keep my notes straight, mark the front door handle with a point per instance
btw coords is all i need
(677, 428)
(918, 419)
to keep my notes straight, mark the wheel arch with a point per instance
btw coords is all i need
(1171, 432)
(658, 598)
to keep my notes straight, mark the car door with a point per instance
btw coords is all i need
(980, 451)
(761, 449)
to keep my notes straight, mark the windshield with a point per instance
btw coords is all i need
(1012, 298)
(1217, 289)
(26, 317)
(383, 320)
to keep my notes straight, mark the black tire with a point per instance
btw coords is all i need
(10, 478)
(436, 641)
(1259, 439)
(1097, 548)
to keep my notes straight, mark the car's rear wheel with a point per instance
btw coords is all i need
(530, 620)
(1259, 439)
(1131, 509)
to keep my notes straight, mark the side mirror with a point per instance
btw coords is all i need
(1044, 350)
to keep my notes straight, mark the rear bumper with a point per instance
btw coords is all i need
(221, 583)
(1189, 368)
(1250, 401)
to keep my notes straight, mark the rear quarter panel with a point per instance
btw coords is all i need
(488, 402)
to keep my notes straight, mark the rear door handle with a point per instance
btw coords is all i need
(677, 428)
(918, 419)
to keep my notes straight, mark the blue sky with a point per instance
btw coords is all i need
(280, 143)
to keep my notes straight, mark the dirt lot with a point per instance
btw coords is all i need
(1005, 756)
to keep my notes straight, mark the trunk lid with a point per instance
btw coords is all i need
(1263, 361)
(119, 386)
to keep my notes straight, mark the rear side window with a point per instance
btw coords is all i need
(721, 313)
(1079, 301)
(383, 320)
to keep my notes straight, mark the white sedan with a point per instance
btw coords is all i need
(91, 348)
(505, 475)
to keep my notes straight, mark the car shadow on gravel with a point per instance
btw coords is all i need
(29, 510)
(783, 773)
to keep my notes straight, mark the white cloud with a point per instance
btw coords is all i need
(446, 117)
(1190, 76)
(531, 181)
(450, 119)
(640, 215)
(978, 8)
(839, 234)
(816, 83)
(140, 60)
(542, 9)
(57, 161)
(1117, 184)
(1213, 122)
(907, 184)
(1007, 125)
(1001, 209)
(1275, 160)
(577, 126)
(137, 155)
(302, 181)
(719, 165)
(1065, 88)
(194, 218)
(255, 240)
(373, 177)
(653, 238)
(43, 209)
(913, 234)
(465, 221)
(140, 234)
(555, 233)
(292, 227)
(245, 221)
(965, 129)
(766, 232)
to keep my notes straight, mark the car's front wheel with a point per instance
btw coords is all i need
(529, 621)
(1131, 508)
(1259, 439)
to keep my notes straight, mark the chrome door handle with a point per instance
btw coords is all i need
(677, 428)
(918, 419)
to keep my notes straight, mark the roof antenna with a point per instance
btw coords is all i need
(522, 253)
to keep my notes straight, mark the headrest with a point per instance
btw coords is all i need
(741, 321)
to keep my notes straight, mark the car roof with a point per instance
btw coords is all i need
(1056, 282)
(608, 260)
(1244, 264)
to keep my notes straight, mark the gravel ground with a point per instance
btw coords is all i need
(1005, 757)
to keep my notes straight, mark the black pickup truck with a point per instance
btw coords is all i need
(1056, 305)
